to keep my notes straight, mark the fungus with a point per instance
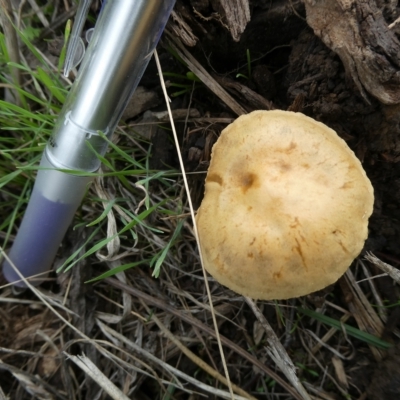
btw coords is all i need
(286, 206)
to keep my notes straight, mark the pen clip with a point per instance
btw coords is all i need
(75, 39)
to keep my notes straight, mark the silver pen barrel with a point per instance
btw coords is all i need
(121, 47)
(122, 44)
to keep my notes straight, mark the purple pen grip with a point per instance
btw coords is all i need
(43, 227)
(54, 200)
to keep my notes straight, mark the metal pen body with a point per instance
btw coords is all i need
(121, 46)
(119, 51)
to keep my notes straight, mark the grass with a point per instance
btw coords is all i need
(351, 331)
(30, 126)
(129, 290)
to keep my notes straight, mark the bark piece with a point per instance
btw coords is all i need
(358, 33)
(182, 30)
(236, 14)
(204, 76)
(254, 100)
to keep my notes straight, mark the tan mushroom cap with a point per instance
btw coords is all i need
(286, 206)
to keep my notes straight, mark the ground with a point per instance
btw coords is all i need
(150, 335)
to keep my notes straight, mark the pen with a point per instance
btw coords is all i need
(122, 44)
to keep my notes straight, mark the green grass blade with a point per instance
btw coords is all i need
(103, 214)
(67, 33)
(67, 262)
(141, 217)
(9, 177)
(159, 258)
(115, 271)
(351, 331)
(43, 77)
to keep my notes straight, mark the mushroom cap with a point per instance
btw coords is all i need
(286, 206)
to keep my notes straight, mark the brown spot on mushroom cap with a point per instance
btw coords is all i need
(215, 178)
(248, 180)
(292, 212)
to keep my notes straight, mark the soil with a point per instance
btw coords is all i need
(295, 70)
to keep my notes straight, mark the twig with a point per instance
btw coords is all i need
(57, 23)
(40, 295)
(365, 309)
(161, 304)
(197, 360)
(206, 78)
(365, 316)
(39, 13)
(2, 395)
(328, 335)
(186, 184)
(34, 382)
(313, 357)
(277, 352)
(394, 273)
(381, 309)
(90, 369)
(170, 368)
